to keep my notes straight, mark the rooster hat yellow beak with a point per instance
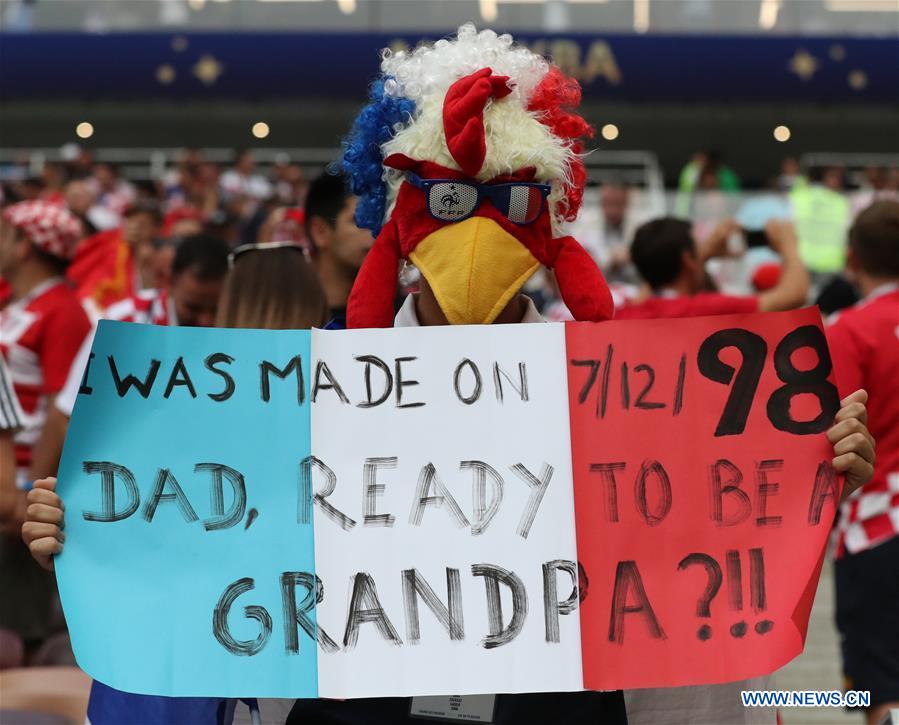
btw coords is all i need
(495, 127)
(474, 268)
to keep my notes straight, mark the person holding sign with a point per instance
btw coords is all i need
(477, 223)
(468, 284)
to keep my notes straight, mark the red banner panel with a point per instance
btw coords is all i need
(704, 493)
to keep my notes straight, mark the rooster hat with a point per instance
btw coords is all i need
(466, 162)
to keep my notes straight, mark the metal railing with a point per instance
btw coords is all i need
(633, 168)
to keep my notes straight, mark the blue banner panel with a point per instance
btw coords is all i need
(248, 65)
(187, 527)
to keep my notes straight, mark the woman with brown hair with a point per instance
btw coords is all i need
(271, 286)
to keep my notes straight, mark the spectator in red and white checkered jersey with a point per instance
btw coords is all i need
(864, 344)
(198, 273)
(44, 324)
(41, 330)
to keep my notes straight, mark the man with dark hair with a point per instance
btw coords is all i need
(659, 246)
(338, 245)
(864, 343)
(198, 271)
(673, 265)
(191, 300)
(874, 245)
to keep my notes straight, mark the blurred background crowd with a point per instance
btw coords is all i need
(177, 136)
(261, 195)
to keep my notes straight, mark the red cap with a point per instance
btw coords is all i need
(179, 215)
(297, 215)
(766, 276)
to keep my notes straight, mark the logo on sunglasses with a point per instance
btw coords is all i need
(450, 200)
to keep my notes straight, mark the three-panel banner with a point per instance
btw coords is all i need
(444, 511)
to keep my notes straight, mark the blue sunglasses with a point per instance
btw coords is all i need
(452, 200)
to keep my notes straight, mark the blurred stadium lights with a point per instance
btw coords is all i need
(641, 16)
(768, 11)
(488, 10)
(609, 132)
(782, 133)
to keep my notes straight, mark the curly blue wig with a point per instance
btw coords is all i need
(362, 160)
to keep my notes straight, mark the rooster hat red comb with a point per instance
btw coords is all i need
(466, 162)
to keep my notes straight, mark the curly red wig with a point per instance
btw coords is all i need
(555, 100)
